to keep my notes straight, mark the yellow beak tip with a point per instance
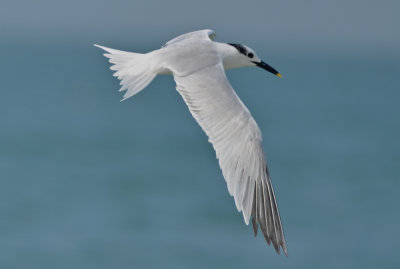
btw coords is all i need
(279, 75)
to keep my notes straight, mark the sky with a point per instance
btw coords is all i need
(353, 26)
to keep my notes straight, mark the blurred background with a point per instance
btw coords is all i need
(89, 182)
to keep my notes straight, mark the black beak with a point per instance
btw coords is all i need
(268, 68)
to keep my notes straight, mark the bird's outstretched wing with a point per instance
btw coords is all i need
(236, 139)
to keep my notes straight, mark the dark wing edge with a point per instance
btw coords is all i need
(265, 214)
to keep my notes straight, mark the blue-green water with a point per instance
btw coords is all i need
(89, 182)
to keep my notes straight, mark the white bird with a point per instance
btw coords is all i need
(198, 66)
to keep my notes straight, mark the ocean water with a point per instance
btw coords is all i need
(89, 182)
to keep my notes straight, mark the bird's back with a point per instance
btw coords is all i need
(188, 53)
(192, 36)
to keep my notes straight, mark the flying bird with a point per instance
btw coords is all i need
(198, 66)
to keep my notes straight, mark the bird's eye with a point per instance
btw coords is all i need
(250, 55)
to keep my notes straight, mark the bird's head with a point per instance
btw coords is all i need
(243, 56)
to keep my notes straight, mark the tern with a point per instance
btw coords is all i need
(198, 65)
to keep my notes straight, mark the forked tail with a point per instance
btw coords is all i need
(133, 69)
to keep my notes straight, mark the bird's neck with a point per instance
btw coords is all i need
(231, 57)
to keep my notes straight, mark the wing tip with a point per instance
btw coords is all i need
(264, 211)
(255, 226)
(285, 250)
(277, 245)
